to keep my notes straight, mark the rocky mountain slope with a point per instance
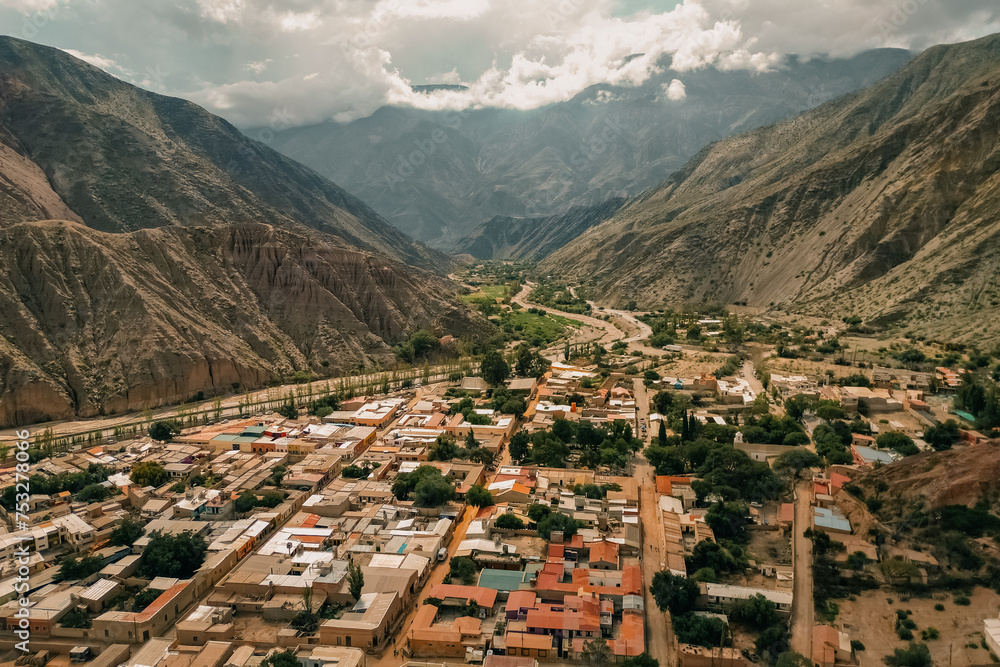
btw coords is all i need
(152, 251)
(882, 204)
(438, 176)
(533, 239)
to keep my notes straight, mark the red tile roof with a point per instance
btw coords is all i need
(484, 597)
(604, 552)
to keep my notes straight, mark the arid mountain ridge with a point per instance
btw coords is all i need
(152, 251)
(881, 204)
(443, 176)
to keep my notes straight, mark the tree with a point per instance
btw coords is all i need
(509, 522)
(75, 618)
(942, 436)
(288, 409)
(284, 658)
(426, 485)
(71, 568)
(479, 496)
(462, 568)
(493, 368)
(148, 473)
(596, 652)
(93, 493)
(538, 511)
(673, 592)
(164, 430)
(557, 522)
(355, 579)
(796, 406)
(173, 555)
(795, 461)
(756, 612)
(829, 411)
(661, 435)
(706, 631)
(899, 442)
(791, 658)
(914, 655)
(127, 532)
(641, 660)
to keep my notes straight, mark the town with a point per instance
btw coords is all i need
(698, 489)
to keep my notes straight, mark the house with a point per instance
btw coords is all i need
(525, 386)
(867, 457)
(831, 520)
(454, 639)
(367, 623)
(831, 647)
(724, 596)
(991, 632)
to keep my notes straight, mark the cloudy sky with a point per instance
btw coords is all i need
(293, 62)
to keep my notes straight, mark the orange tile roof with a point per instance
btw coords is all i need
(484, 597)
(825, 639)
(528, 640)
(310, 521)
(631, 638)
(787, 512)
(837, 480)
(518, 600)
(561, 618)
(604, 551)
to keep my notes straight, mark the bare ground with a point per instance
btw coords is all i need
(870, 618)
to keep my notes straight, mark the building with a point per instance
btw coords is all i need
(867, 457)
(831, 647)
(991, 632)
(724, 596)
(366, 625)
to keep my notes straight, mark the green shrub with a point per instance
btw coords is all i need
(962, 600)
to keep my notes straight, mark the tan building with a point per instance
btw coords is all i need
(366, 625)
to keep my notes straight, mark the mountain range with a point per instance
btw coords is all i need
(444, 177)
(880, 204)
(152, 251)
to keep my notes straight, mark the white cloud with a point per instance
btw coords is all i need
(674, 90)
(106, 64)
(258, 66)
(343, 59)
(222, 11)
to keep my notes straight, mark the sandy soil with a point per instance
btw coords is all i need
(870, 618)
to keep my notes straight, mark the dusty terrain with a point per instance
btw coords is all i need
(871, 619)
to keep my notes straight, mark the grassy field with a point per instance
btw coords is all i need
(486, 292)
(536, 329)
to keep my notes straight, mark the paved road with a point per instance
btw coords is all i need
(749, 372)
(802, 604)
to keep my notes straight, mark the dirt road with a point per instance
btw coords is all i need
(802, 604)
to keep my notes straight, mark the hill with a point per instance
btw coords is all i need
(439, 175)
(152, 251)
(880, 204)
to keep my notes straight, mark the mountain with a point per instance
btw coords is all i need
(151, 251)
(533, 239)
(881, 204)
(438, 176)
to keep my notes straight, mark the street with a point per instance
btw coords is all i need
(802, 604)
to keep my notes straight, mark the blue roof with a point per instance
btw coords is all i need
(872, 455)
(831, 519)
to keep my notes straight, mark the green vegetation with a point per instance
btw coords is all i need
(557, 522)
(355, 580)
(509, 522)
(49, 486)
(72, 568)
(248, 500)
(127, 532)
(898, 442)
(494, 368)
(164, 430)
(479, 496)
(914, 655)
(596, 652)
(707, 631)
(674, 593)
(356, 472)
(145, 598)
(173, 555)
(284, 658)
(148, 473)
(463, 569)
(426, 485)
(75, 618)
(611, 445)
(558, 296)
